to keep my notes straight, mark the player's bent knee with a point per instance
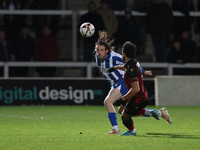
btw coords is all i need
(107, 102)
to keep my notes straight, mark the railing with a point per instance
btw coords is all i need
(89, 65)
(86, 65)
(74, 15)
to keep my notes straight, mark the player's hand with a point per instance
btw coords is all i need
(111, 70)
(149, 73)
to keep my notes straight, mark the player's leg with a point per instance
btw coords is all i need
(128, 123)
(113, 95)
(165, 115)
(131, 109)
(163, 112)
(149, 113)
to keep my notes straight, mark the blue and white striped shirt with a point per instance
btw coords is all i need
(113, 59)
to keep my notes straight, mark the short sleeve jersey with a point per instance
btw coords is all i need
(113, 59)
(134, 73)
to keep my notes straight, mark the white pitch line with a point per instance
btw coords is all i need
(21, 117)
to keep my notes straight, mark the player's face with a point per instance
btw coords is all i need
(101, 52)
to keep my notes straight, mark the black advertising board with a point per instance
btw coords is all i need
(54, 91)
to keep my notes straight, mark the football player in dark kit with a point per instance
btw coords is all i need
(137, 94)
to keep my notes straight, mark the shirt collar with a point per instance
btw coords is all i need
(107, 58)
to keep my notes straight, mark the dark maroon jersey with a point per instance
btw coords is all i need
(134, 73)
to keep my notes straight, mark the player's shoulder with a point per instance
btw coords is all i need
(131, 68)
(115, 54)
(131, 64)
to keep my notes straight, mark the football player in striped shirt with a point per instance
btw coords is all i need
(106, 58)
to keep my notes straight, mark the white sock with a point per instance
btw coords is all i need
(133, 131)
(147, 112)
(115, 128)
(159, 113)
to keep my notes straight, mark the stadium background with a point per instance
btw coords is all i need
(53, 123)
(70, 74)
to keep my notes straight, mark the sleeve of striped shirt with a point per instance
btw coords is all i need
(142, 70)
(118, 58)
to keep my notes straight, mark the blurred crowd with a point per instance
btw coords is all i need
(16, 42)
(174, 39)
(163, 27)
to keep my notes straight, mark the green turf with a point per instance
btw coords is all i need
(23, 128)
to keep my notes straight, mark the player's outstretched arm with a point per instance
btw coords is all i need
(148, 72)
(116, 67)
(120, 68)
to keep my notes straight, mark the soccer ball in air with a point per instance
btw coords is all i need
(87, 29)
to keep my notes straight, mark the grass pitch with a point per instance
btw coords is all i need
(84, 128)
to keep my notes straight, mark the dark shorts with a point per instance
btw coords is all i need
(120, 102)
(133, 109)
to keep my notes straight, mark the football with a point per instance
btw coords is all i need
(87, 29)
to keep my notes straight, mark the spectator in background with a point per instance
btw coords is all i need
(4, 51)
(183, 50)
(142, 6)
(47, 50)
(93, 17)
(117, 4)
(159, 20)
(198, 29)
(23, 48)
(12, 22)
(198, 52)
(51, 20)
(180, 53)
(188, 46)
(176, 54)
(198, 18)
(182, 23)
(127, 29)
(109, 19)
(37, 20)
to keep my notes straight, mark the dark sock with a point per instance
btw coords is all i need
(128, 124)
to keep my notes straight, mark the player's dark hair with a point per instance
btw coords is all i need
(129, 49)
(103, 40)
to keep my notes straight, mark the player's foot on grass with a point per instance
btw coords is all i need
(165, 115)
(113, 132)
(155, 114)
(128, 133)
